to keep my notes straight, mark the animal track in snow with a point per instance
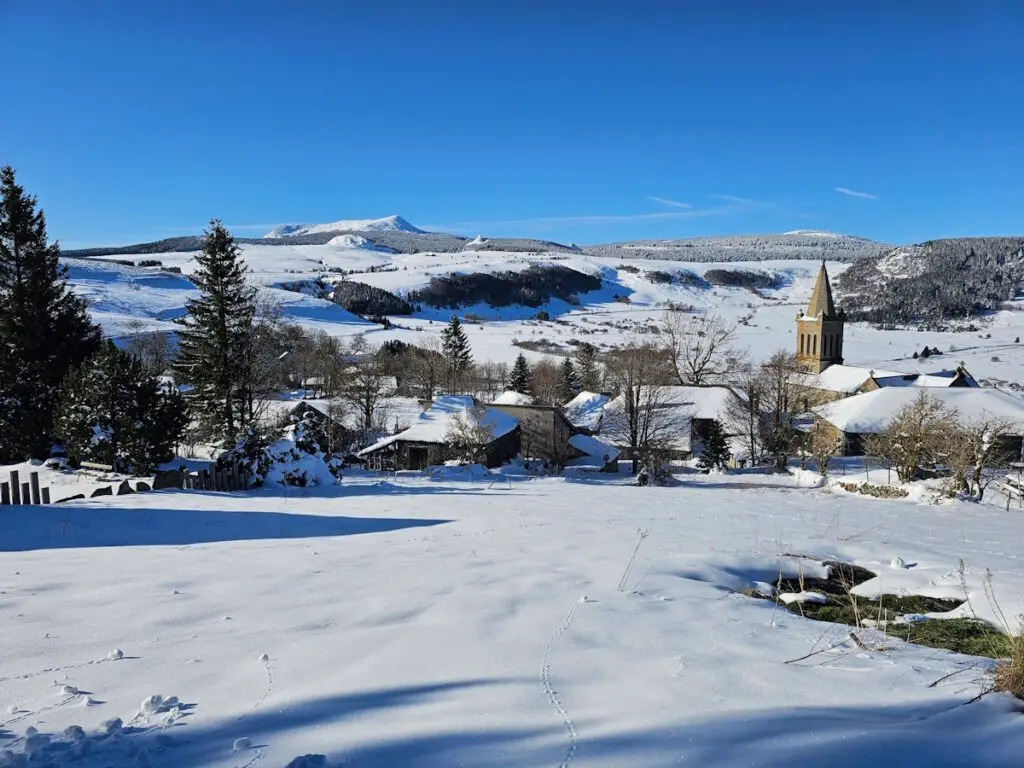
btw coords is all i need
(545, 678)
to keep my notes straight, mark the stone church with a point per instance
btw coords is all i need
(824, 377)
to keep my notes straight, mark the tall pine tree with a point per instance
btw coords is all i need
(521, 378)
(587, 370)
(111, 411)
(45, 329)
(568, 381)
(216, 340)
(457, 354)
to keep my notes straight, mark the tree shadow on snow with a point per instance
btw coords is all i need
(986, 734)
(95, 525)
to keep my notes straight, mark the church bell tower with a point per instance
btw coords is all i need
(819, 330)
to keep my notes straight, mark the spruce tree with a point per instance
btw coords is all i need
(587, 371)
(45, 330)
(521, 378)
(568, 381)
(216, 340)
(457, 354)
(111, 411)
(716, 448)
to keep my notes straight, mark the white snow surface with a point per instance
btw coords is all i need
(436, 623)
(511, 397)
(871, 412)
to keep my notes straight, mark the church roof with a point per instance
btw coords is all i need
(821, 299)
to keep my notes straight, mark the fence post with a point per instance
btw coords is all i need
(34, 481)
(26, 493)
(46, 495)
(15, 488)
(5, 494)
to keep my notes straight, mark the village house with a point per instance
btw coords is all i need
(683, 417)
(427, 442)
(855, 418)
(544, 430)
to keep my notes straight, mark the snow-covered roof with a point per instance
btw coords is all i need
(697, 402)
(842, 378)
(511, 397)
(680, 405)
(596, 453)
(584, 411)
(936, 379)
(871, 412)
(433, 424)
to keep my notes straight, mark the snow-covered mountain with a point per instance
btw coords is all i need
(387, 224)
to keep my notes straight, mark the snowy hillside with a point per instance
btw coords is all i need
(630, 301)
(387, 224)
(797, 244)
(937, 283)
(430, 624)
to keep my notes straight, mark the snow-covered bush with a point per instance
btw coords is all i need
(292, 457)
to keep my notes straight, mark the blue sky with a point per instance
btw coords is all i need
(587, 121)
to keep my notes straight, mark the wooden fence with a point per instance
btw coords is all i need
(231, 478)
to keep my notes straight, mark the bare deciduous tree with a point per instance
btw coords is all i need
(546, 380)
(427, 367)
(365, 390)
(642, 417)
(777, 402)
(468, 436)
(153, 348)
(824, 445)
(915, 437)
(699, 347)
(743, 410)
(973, 450)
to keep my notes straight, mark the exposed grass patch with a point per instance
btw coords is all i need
(965, 635)
(878, 491)
(886, 613)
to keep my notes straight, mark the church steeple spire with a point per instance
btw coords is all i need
(821, 302)
(819, 330)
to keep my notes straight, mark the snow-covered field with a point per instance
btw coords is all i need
(448, 623)
(125, 299)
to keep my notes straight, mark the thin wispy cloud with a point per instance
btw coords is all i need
(855, 193)
(666, 201)
(613, 218)
(733, 199)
